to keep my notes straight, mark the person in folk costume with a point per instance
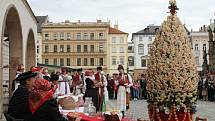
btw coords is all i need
(20, 70)
(42, 104)
(101, 86)
(64, 82)
(90, 85)
(116, 84)
(18, 105)
(77, 83)
(123, 95)
(54, 83)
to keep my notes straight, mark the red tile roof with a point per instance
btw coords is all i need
(115, 31)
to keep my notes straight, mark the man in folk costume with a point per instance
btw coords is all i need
(77, 83)
(101, 86)
(64, 82)
(123, 95)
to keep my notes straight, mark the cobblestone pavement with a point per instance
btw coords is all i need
(139, 109)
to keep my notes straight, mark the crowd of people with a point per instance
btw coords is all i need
(35, 92)
(206, 88)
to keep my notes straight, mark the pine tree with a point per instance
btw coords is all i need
(172, 74)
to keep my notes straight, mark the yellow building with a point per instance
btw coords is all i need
(75, 44)
(117, 49)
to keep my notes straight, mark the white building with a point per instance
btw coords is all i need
(18, 30)
(41, 20)
(142, 43)
(200, 43)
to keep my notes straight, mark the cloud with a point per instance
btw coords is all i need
(132, 15)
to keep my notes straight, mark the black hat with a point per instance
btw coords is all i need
(26, 75)
(99, 68)
(54, 77)
(47, 78)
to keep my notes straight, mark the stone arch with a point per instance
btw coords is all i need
(30, 58)
(12, 33)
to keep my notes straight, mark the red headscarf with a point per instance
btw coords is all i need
(40, 93)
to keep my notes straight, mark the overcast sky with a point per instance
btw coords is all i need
(132, 15)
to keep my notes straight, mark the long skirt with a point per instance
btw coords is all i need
(121, 98)
(64, 88)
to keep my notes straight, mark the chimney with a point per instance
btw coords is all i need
(66, 21)
(99, 21)
(204, 28)
(79, 21)
(116, 26)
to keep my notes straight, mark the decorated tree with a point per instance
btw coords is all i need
(172, 75)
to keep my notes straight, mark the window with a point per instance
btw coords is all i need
(143, 62)
(130, 48)
(101, 61)
(55, 61)
(113, 49)
(68, 48)
(149, 48)
(85, 36)
(101, 49)
(92, 36)
(141, 38)
(55, 36)
(61, 62)
(121, 60)
(55, 48)
(121, 49)
(46, 61)
(61, 36)
(46, 48)
(197, 60)
(113, 60)
(46, 36)
(92, 61)
(78, 36)
(121, 40)
(204, 47)
(79, 48)
(38, 51)
(68, 36)
(150, 38)
(196, 47)
(85, 62)
(113, 39)
(78, 61)
(91, 48)
(61, 48)
(141, 49)
(68, 61)
(85, 48)
(101, 35)
(131, 61)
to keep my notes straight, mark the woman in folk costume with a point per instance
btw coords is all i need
(91, 90)
(123, 95)
(45, 72)
(77, 83)
(42, 104)
(20, 70)
(101, 84)
(64, 83)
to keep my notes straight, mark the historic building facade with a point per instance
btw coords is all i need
(200, 44)
(142, 41)
(41, 20)
(18, 30)
(131, 58)
(75, 44)
(117, 49)
(211, 53)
